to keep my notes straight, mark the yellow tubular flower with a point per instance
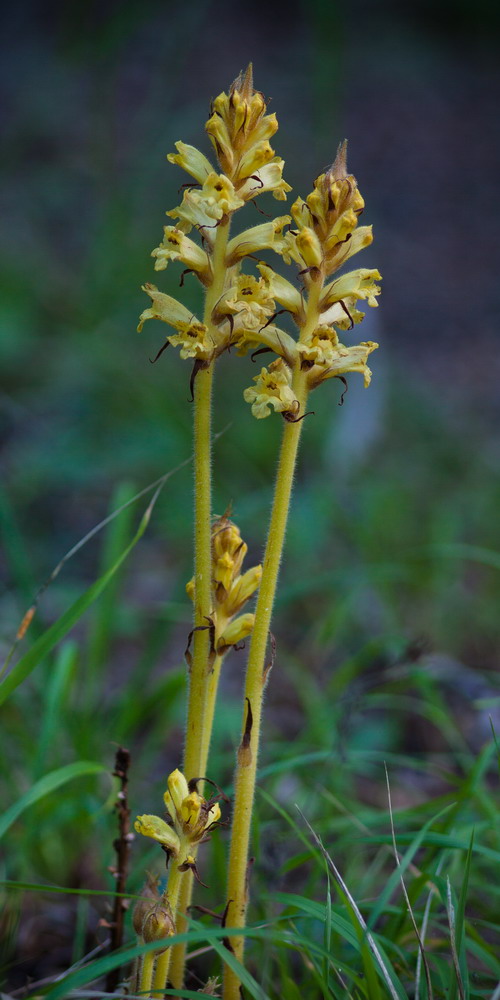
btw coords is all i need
(283, 292)
(192, 161)
(164, 307)
(267, 236)
(177, 788)
(248, 302)
(266, 178)
(235, 632)
(192, 337)
(177, 246)
(190, 812)
(159, 830)
(326, 357)
(273, 388)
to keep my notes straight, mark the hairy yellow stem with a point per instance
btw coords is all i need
(202, 524)
(248, 751)
(186, 892)
(198, 729)
(170, 896)
(146, 973)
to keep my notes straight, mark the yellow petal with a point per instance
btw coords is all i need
(165, 308)
(178, 788)
(157, 829)
(191, 160)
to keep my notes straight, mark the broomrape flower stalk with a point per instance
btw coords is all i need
(190, 820)
(326, 234)
(319, 237)
(227, 628)
(235, 306)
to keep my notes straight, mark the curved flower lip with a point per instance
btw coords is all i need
(283, 291)
(237, 630)
(206, 207)
(192, 160)
(266, 178)
(354, 285)
(193, 337)
(165, 308)
(337, 253)
(273, 388)
(270, 336)
(267, 236)
(177, 246)
(342, 360)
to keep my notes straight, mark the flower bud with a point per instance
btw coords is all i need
(143, 906)
(158, 923)
(309, 247)
(178, 788)
(235, 632)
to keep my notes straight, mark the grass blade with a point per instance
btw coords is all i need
(45, 785)
(24, 667)
(386, 976)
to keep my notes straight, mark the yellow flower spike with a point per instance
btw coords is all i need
(237, 630)
(178, 789)
(159, 830)
(226, 536)
(273, 388)
(239, 130)
(192, 161)
(190, 810)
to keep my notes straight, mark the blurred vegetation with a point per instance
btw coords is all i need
(387, 622)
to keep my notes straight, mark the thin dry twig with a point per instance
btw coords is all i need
(122, 848)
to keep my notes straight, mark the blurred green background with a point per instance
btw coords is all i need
(390, 587)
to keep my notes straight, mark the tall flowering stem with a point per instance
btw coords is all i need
(325, 236)
(230, 591)
(202, 392)
(256, 674)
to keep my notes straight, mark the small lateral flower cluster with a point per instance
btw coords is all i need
(191, 817)
(231, 589)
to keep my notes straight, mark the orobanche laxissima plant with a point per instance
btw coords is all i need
(243, 296)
